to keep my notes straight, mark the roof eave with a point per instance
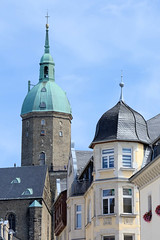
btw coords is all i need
(117, 140)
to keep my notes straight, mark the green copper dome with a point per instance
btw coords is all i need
(46, 58)
(46, 95)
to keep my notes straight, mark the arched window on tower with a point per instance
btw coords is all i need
(12, 221)
(46, 72)
(42, 158)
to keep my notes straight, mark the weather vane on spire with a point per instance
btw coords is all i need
(47, 16)
(121, 85)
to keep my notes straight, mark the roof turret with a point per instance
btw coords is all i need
(121, 123)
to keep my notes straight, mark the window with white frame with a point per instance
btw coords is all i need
(108, 158)
(128, 237)
(89, 211)
(108, 201)
(149, 203)
(78, 217)
(127, 200)
(109, 238)
(127, 157)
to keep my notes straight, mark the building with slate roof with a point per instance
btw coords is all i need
(103, 200)
(26, 200)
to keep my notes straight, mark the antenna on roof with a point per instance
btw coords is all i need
(121, 85)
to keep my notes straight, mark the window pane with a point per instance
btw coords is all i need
(126, 150)
(12, 221)
(127, 191)
(78, 221)
(127, 205)
(105, 162)
(78, 208)
(108, 192)
(111, 205)
(105, 206)
(111, 161)
(108, 151)
(149, 203)
(126, 161)
(128, 237)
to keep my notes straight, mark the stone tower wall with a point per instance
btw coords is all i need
(52, 138)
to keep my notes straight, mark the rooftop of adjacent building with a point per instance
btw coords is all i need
(22, 182)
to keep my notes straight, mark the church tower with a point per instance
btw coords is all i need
(46, 119)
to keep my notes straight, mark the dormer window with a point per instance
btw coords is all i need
(42, 105)
(45, 72)
(28, 191)
(43, 89)
(16, 180)
(108, 158)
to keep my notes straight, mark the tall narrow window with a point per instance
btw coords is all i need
(108, 201)
(42, 122)
(78, 217)
(127, 157)
(69, 218)
(42, 158)
(127, 200)
(46, 72)
(89, 211)
(108, 158)
(60, 133)
(149, 203)
(12, 221)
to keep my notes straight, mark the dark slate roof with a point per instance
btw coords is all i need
(32, 177)
(82, 159)
(154, 127)
(63, 184)
(121, 123)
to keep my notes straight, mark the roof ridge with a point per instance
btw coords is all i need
(136, 121)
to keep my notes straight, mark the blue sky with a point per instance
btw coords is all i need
(90, 41)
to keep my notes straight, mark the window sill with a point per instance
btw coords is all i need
(106, 169)
(127, 169)
(128, 215)
(107, 215)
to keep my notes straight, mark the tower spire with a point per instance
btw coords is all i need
(121, 85)
(47, 36)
